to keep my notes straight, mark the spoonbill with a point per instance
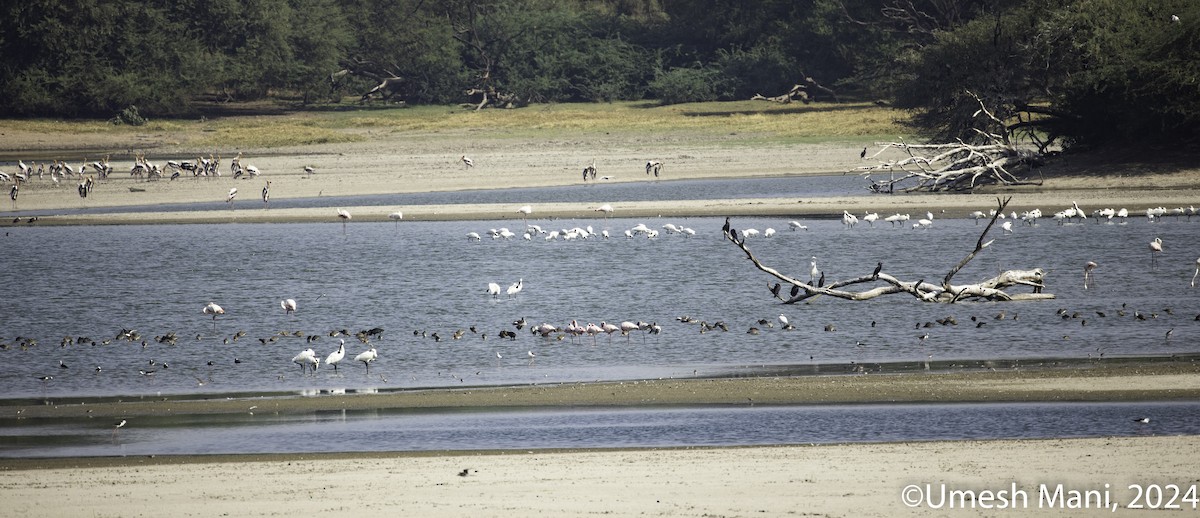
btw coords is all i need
(367, 357)
(307, 358)
(515, 287)
(288, 305)
(493, 289)
(336, 356)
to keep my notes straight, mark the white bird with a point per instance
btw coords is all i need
(783, 319)
(525, 211)
(213, 309)
(871, 217)
(1174, 18)
(606, 209)
(336, 356)
(813, 272)
(118, 425)
(288, 305)
(1007, 226)
(251, 170)
(795, 225)
(766, 233)
(308, 169)
(307, 358)
(849, 219)
(1197, 273)
(1156, 248)
(232, 194)
(367, 357)
(396, 216)
(467, 162)
(343, 215)
(515, 288)
(493, 289)
(1088, 277)
(473, 236)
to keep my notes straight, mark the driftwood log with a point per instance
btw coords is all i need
(805, 91)
(993, 289)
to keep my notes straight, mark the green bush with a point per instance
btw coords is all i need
(686, 85)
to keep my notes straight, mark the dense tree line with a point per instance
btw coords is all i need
(1080, 73)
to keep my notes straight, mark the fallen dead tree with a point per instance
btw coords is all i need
(993, 289)
(804, 91)
(956, 166)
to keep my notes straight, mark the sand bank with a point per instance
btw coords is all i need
(830, 480)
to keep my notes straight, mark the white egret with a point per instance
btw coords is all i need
(336, 356)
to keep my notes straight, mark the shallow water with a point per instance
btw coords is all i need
(594, 193)
(366, 431)
(427, 277)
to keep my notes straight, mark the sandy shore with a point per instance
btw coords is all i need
(833, 480)
(405, 163)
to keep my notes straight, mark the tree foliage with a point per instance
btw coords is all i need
(1057, 71)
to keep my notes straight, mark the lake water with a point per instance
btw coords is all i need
(426, 278)
(367, 431)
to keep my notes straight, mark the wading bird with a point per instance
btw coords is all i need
(467, 162)
(343, 215)
(525, 211)
(1156, 248)
(229, 198)
(367, 357)
(1088, 278)
(288, 305)
(515, 287)
(336, 356)
(213, 309)
(306, 359)
(493, 289)
(266, 194)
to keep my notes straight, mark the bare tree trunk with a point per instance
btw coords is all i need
(988, 289)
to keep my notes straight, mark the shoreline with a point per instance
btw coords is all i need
(860, 479)
(1133, 381)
